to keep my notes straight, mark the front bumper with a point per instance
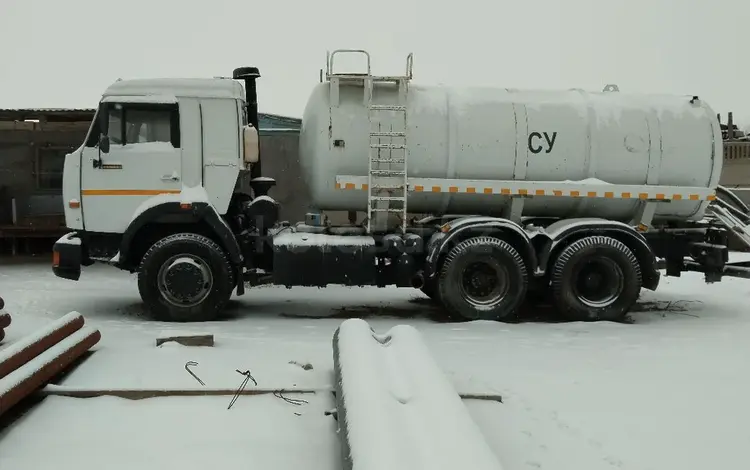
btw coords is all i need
(66, 257)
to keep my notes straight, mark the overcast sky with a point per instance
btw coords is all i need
(63, 53)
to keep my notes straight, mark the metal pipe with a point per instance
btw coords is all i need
(736, 212)
(144, 393)
(31, 346)
(735, 199)
(721, 204)
(25, 380)
(729, 270)
(681, 230)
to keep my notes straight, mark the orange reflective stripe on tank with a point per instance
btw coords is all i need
(644, 196)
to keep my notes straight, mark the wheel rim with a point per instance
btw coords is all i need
(484, 283)
(598, 282)
(185, 280)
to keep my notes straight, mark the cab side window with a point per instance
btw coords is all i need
(134, 123)
(150, 124)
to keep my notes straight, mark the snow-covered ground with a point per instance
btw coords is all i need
(667, 391)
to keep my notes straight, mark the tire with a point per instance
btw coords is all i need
(430, 290)
(441, 315)
(505, 272)
(199, 292)
(614, 275)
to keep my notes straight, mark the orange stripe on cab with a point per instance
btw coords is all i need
(128, 192)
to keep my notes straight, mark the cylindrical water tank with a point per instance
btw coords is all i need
(504, 134)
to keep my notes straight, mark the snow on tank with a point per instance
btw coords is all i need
(525, 135)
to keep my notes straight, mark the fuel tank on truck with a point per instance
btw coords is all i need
(505, 134)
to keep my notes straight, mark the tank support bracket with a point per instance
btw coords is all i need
(645, 213)
(515, 210)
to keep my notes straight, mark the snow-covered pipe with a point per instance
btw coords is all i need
(4, 321)
(396, 409)
(29, 347)
(28, 378)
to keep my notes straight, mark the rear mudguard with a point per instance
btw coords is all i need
(461, 229)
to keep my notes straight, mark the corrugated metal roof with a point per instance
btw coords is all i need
(50, 114)
(46, 110)
(93, 110)
(279, 117)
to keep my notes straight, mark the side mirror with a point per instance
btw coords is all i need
(104, 143)
(103, 116)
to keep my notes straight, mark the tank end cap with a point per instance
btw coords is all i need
(245, 73)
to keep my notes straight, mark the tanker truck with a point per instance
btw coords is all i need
(480, 197)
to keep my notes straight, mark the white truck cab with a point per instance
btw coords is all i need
(161, 152)
(157, 137)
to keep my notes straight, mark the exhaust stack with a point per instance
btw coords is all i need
(249, 75)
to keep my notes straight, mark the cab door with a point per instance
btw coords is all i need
(132, 159)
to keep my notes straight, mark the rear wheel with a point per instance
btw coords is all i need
(483, 278)
(185, 277)
(596, 278)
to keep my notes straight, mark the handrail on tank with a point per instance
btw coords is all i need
(330, 56)
(410, 65)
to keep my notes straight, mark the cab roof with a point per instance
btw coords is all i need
(178, 87)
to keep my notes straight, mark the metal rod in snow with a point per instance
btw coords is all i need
(142, 393)
(28, 378)
(146, 392)
(30, 346)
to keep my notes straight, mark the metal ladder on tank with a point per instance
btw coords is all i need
(387, 175)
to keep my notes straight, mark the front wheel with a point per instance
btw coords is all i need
(483, 278)
(430, 290)
(184, 278)
(596, 278)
